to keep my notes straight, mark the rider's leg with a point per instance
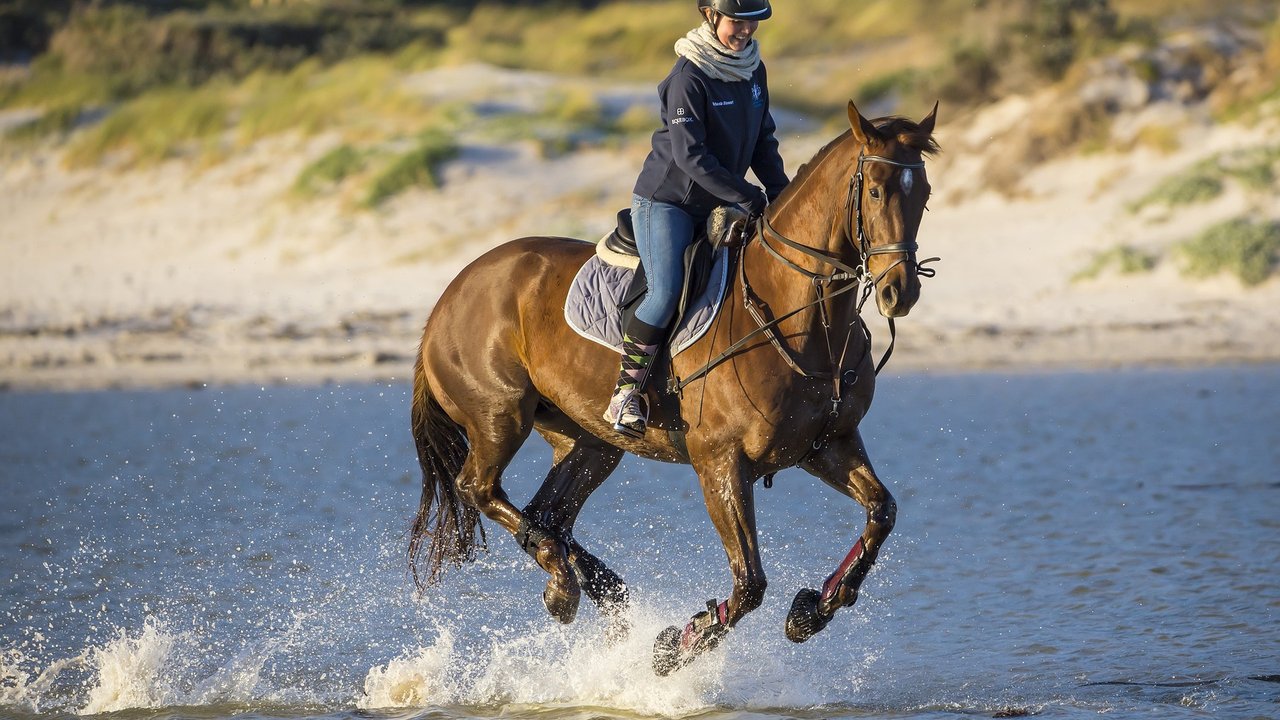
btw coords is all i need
(640, 345)
(663, 232)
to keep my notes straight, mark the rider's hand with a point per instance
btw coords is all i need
(755, 206)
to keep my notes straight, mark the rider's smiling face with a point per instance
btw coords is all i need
(736, 34)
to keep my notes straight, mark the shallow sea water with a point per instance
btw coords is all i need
(1068, 545)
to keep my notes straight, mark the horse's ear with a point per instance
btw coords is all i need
(863, 130)
(926, 125)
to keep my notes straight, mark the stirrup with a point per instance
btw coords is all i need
(628, 411)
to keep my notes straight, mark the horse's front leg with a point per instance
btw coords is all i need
(729, 494)
(843, 464)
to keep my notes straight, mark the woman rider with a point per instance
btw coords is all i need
(715, 125)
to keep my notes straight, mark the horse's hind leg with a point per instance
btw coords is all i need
(497, 425)
(581, 463)
(843, 465)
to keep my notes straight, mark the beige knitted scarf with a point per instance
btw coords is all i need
(701, 46)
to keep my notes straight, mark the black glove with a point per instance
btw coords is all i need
(756, 205)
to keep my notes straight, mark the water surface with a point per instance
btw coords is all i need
(1068, 545)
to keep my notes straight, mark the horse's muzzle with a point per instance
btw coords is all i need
(893, 302)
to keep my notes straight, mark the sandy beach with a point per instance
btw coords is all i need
(182, 275)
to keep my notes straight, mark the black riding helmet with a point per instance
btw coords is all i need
(739, 9)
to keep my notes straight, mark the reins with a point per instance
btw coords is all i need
(855, 277)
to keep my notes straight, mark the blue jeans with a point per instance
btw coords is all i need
(663, 231)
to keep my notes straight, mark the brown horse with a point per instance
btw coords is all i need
(497, 360)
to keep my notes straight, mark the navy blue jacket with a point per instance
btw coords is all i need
(712, 132)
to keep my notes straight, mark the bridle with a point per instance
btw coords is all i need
(855, 231)
(852, 277)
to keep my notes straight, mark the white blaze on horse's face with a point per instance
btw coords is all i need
(907, 181)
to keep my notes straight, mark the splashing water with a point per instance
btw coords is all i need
(131, 672)
(555, 666)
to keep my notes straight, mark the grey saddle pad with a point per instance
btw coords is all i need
(592, 306)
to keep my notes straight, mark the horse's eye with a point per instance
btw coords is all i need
(875, 193)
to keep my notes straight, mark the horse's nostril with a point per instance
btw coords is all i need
(888, 296)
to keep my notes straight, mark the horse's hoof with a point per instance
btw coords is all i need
(804, 621)
(676, 648)
(562, 604)
(666, 652)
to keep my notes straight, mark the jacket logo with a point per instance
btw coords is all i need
(679, 111)
(757, 95)
(721, 103)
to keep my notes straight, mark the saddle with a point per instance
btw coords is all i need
(725, 227)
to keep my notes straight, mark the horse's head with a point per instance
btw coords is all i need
(888, 191)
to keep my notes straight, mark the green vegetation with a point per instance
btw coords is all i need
(415, 168)
(1248, 249)
(128, 48)
(1126, 259)
(57, 121)
(111, 74)
(329, 170)
(1253, 168)
(153, 127)
(362, 95)
(1200, 183)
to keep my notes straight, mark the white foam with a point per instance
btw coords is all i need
(415, 680)
(558, 666)
(130, 672)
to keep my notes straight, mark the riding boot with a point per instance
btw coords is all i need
(628, 409)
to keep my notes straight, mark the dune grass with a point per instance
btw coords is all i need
(237, 64)
(56, 89)
(153, 127)
(362, 96)
(55, 122)
(1243, 247)
(418, 167)
(1200, 183)
(329, 170)
(1255, 169)
(1124, 259)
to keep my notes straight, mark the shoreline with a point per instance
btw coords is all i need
(389, 360)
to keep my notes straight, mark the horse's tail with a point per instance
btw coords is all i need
(443, 519)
